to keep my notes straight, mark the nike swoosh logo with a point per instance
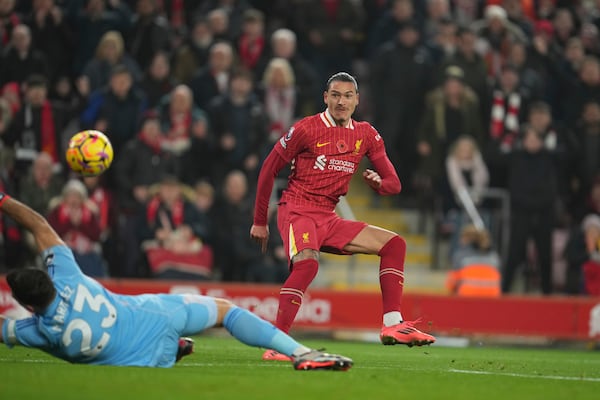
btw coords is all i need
(319, 144)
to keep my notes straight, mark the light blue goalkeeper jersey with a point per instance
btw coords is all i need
(87, 323)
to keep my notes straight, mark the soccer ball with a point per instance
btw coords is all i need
(89, 153)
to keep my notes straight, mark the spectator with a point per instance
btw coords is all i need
(385, 27)
(240, 127)
(279, 94)
(181, 119)
(10, 102)
(473, 66)
(219, 24)
(451, 111)
(563, 144)
(400, 77)
(564, 27)
(116, 108)
(37, 189)
(158, 81)
(109, 53)
(171, 235)
(583, 257)
(193, 53)
(437, 13)
(41, 184)
(37, 127)
(232, 12)
(103, 199)
(466, 174)
(283, 45)
(475, 265)
(149, 34)
(586, 89)
(509, 107)
(21, 60)
(588, 137)
(332, 32)
(251, 44)
(91, 22)
(243, 261)
(495, 34)
(530, 79)
(141, 164)
(516, 14)
(212, 80)
(442, 43)
(8, 20)
(532, 185)
(74, 217)
(53, 36)
(204, 200)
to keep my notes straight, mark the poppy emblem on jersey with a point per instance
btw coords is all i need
(341, 146)
(305, 238)
(357, 146)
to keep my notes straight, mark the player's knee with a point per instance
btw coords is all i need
(306, 254)
(223, 306)
(395, 247)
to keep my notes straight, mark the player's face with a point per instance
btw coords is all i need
(341, 100)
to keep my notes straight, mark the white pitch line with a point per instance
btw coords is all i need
(554, 377)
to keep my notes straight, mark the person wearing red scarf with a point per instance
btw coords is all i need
(172, 235)
(251, 44)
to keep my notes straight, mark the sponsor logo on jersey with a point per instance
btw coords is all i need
(320, 162)
(334, 164)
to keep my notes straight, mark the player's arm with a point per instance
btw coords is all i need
(266, 178)
(383, 178)
(43, 233)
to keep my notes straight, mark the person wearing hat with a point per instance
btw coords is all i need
(75, 218)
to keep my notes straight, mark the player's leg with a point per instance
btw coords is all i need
(300, 239)
(248, 328)
(391, 249)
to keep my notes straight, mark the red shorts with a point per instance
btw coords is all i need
(309, 228)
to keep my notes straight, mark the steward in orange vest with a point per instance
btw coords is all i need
(476, 266)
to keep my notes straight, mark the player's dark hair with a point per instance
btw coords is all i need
(342, 77)
(31, 287)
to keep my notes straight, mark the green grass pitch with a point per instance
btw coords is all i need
(222, 368)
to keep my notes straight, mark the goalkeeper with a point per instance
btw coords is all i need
(78, 320)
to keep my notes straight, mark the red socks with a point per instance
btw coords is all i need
(292, 292)
(391, 273)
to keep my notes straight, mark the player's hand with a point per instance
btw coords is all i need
(260, 234)
(372, 178)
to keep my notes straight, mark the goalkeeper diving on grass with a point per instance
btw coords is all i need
(77, 319)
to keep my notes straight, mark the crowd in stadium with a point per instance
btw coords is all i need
(192, 94)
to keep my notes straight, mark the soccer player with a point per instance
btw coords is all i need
(76, 319)
(325, 150)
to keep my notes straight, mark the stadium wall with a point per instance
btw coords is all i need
(554, 317)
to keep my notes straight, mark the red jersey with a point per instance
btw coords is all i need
(324, 157)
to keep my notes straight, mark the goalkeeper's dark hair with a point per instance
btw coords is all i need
(31, 287)
(342, 77)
